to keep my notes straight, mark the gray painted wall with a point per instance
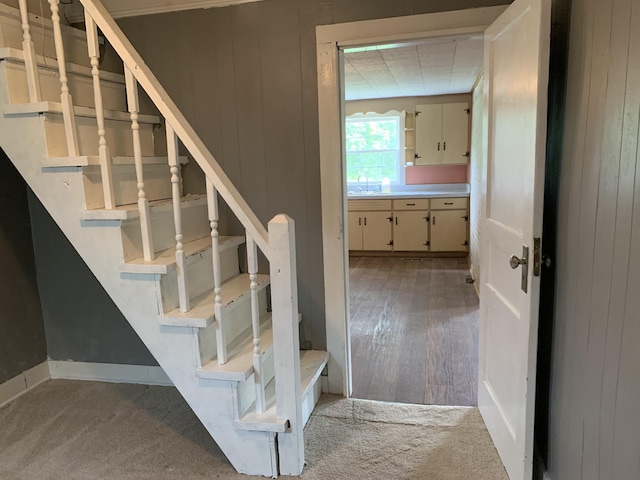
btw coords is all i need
(595, 389)
(81, 321)
(22, 338)
(245, 78)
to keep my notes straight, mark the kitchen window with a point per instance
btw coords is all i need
(374, 145)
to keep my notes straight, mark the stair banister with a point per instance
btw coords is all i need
(68, 114)
(133, 106)
(176, 182)
(176, 119)
(29, 52)
(214, 216)
(103, 149)
(252, 268)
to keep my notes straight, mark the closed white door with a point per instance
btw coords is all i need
(516, 76)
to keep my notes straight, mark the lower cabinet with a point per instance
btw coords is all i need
(411, 231)
(408, 225)
(449, 230)
(370, 231)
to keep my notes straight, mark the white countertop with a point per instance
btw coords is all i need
(415, 191)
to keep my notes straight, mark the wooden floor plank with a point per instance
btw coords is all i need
(414, 330)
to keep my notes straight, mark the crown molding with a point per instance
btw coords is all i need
(134, 8)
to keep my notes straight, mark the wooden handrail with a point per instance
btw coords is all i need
(158, 95)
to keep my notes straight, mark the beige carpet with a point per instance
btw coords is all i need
(89, 430)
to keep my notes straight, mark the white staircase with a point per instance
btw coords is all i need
(110, 178)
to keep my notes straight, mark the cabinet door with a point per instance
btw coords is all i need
(455, 133)
(428, 134)
(411, 231)
(376, 231)
(355, 230)
(448, 230)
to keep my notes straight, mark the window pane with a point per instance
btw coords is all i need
(373, 148)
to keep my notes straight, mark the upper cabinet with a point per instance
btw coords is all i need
(442, 134)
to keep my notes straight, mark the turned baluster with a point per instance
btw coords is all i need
(29, 53)
(143, 204)
(221, 338)
(103, 149)
(68, 114)
(252, 267)
(174, 168)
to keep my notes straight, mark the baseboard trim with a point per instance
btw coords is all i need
(20, 384)
(108, 372)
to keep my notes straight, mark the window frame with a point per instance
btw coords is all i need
(400, 160)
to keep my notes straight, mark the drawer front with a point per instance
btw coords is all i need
(411, 204)
(449, 203)
(366, 205)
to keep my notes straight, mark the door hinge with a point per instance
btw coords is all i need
(466, 217)
(468, 110)
(418, 112)
(536, 256)
(427, 243)
(390, 219)
(428, 219)
(465, 243)
(390, 242)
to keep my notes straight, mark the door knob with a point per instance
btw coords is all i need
(515, 262)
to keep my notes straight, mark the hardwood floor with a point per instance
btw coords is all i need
(414, 330)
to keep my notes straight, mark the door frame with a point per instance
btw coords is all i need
(330, 39)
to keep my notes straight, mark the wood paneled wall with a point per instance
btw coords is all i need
(245, 77)
(595, 390)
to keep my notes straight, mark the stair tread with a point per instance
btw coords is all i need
(203, 307)
(130, 211)
(50, 63)
(312, 363)
(239, 367)
(165, 260)
(91, 160)
(56, 107)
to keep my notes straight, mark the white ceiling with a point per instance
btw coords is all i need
(438, 67)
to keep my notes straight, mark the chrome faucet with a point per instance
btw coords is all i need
(366, 179)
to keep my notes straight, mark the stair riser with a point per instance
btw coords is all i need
(118, 135)
(81, 87)
(199, 276)
(194, 225)
(157, 184)
(237, 322)
(75, 41)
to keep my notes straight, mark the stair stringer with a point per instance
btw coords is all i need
(100, 246)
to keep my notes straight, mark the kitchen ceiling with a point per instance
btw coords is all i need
(437, 67)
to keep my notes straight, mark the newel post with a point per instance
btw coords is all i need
(286, 342)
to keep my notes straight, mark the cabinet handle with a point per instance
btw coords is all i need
(359, 221)
(365, 221)
(434, 220)
(444, 145)
(411, 204)
(438, 146)
(448, 203)
(396, 220)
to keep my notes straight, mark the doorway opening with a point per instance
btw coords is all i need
(413, 315)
